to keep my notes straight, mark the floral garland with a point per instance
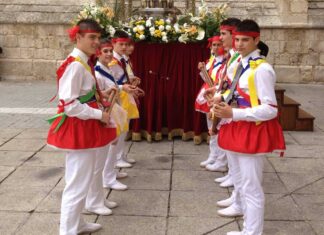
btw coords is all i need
(185, 28)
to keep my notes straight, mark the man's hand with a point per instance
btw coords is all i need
(222, 110)
(105, 117)
(109, 92)
(215, 100)
(139, 92)
(201, 65)
(135, 81)
(129, 88)
(209, 93)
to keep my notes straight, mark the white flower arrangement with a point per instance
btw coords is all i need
(186, 28)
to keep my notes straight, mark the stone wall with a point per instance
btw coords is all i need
(34, 41)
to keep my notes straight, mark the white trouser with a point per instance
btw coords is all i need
(96, 198)
(247, 175)
(120, 151)
(215, 153)
(109, 173)
(79, 167)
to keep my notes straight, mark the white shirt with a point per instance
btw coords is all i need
(75, 82)
(104, 83)
(129, 67)
(116, 70)
(265, 79)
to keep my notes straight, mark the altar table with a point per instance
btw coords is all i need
(171, 80)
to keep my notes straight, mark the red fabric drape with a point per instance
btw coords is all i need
(171, 81)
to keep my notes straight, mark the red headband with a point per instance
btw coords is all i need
(76, 29)
(103, 45)
(114, 40)
(213, 39)
(248, 33)
(106, 44)
(228, 27)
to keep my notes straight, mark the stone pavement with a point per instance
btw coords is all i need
(168, 192)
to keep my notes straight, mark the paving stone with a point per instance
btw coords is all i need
(9, 133)
(52, 202)
(196, 225)
(287, 228)
(30, 176)
(308, 138)
(47, 148)
(279, 207)
(318, 226)
(298, 180)
(147, 179)
(233, 226)
(196, 181)
(188, 148)
(297, 164)
(11, 221)
(2, 141)
(267, 166)
(46, 223)
(61, 184)
(189, 162)
(21, 199)
(312, 206)
(23, 144)
(14, 158)
(151, 161)
(289, 140)
(5, 171)
(161, 147)
(304, 151)
(130, 225)
(41, 223)
(314, 188)
(55, 159)
(38, 133)
(272, 184)
(140, 202)
(195, 204)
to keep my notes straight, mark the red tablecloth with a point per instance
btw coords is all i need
(171, 81)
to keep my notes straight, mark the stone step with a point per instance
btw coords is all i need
(292, 117)
(288, 111)
(304, 121)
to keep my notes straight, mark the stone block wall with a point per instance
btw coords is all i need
(34, 40)
(32, 51)
(296, 53)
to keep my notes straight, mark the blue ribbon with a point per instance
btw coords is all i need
(104, 73)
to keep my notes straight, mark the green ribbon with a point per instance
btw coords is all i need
(234, 57)
(83, 99)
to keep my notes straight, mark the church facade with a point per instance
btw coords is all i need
(34, 41)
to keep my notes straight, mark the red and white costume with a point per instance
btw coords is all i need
(246, 142)
(212, 67)
(83, 137)
(108, 168)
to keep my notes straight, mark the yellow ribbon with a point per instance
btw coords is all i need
(85, 65)
(251, 83)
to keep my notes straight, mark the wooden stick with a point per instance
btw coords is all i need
(205, 75)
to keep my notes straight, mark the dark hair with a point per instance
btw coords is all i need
(231, 21)
(121, 34)
(264, 49)
(86, 24)
(248, 26)
(105, 40)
